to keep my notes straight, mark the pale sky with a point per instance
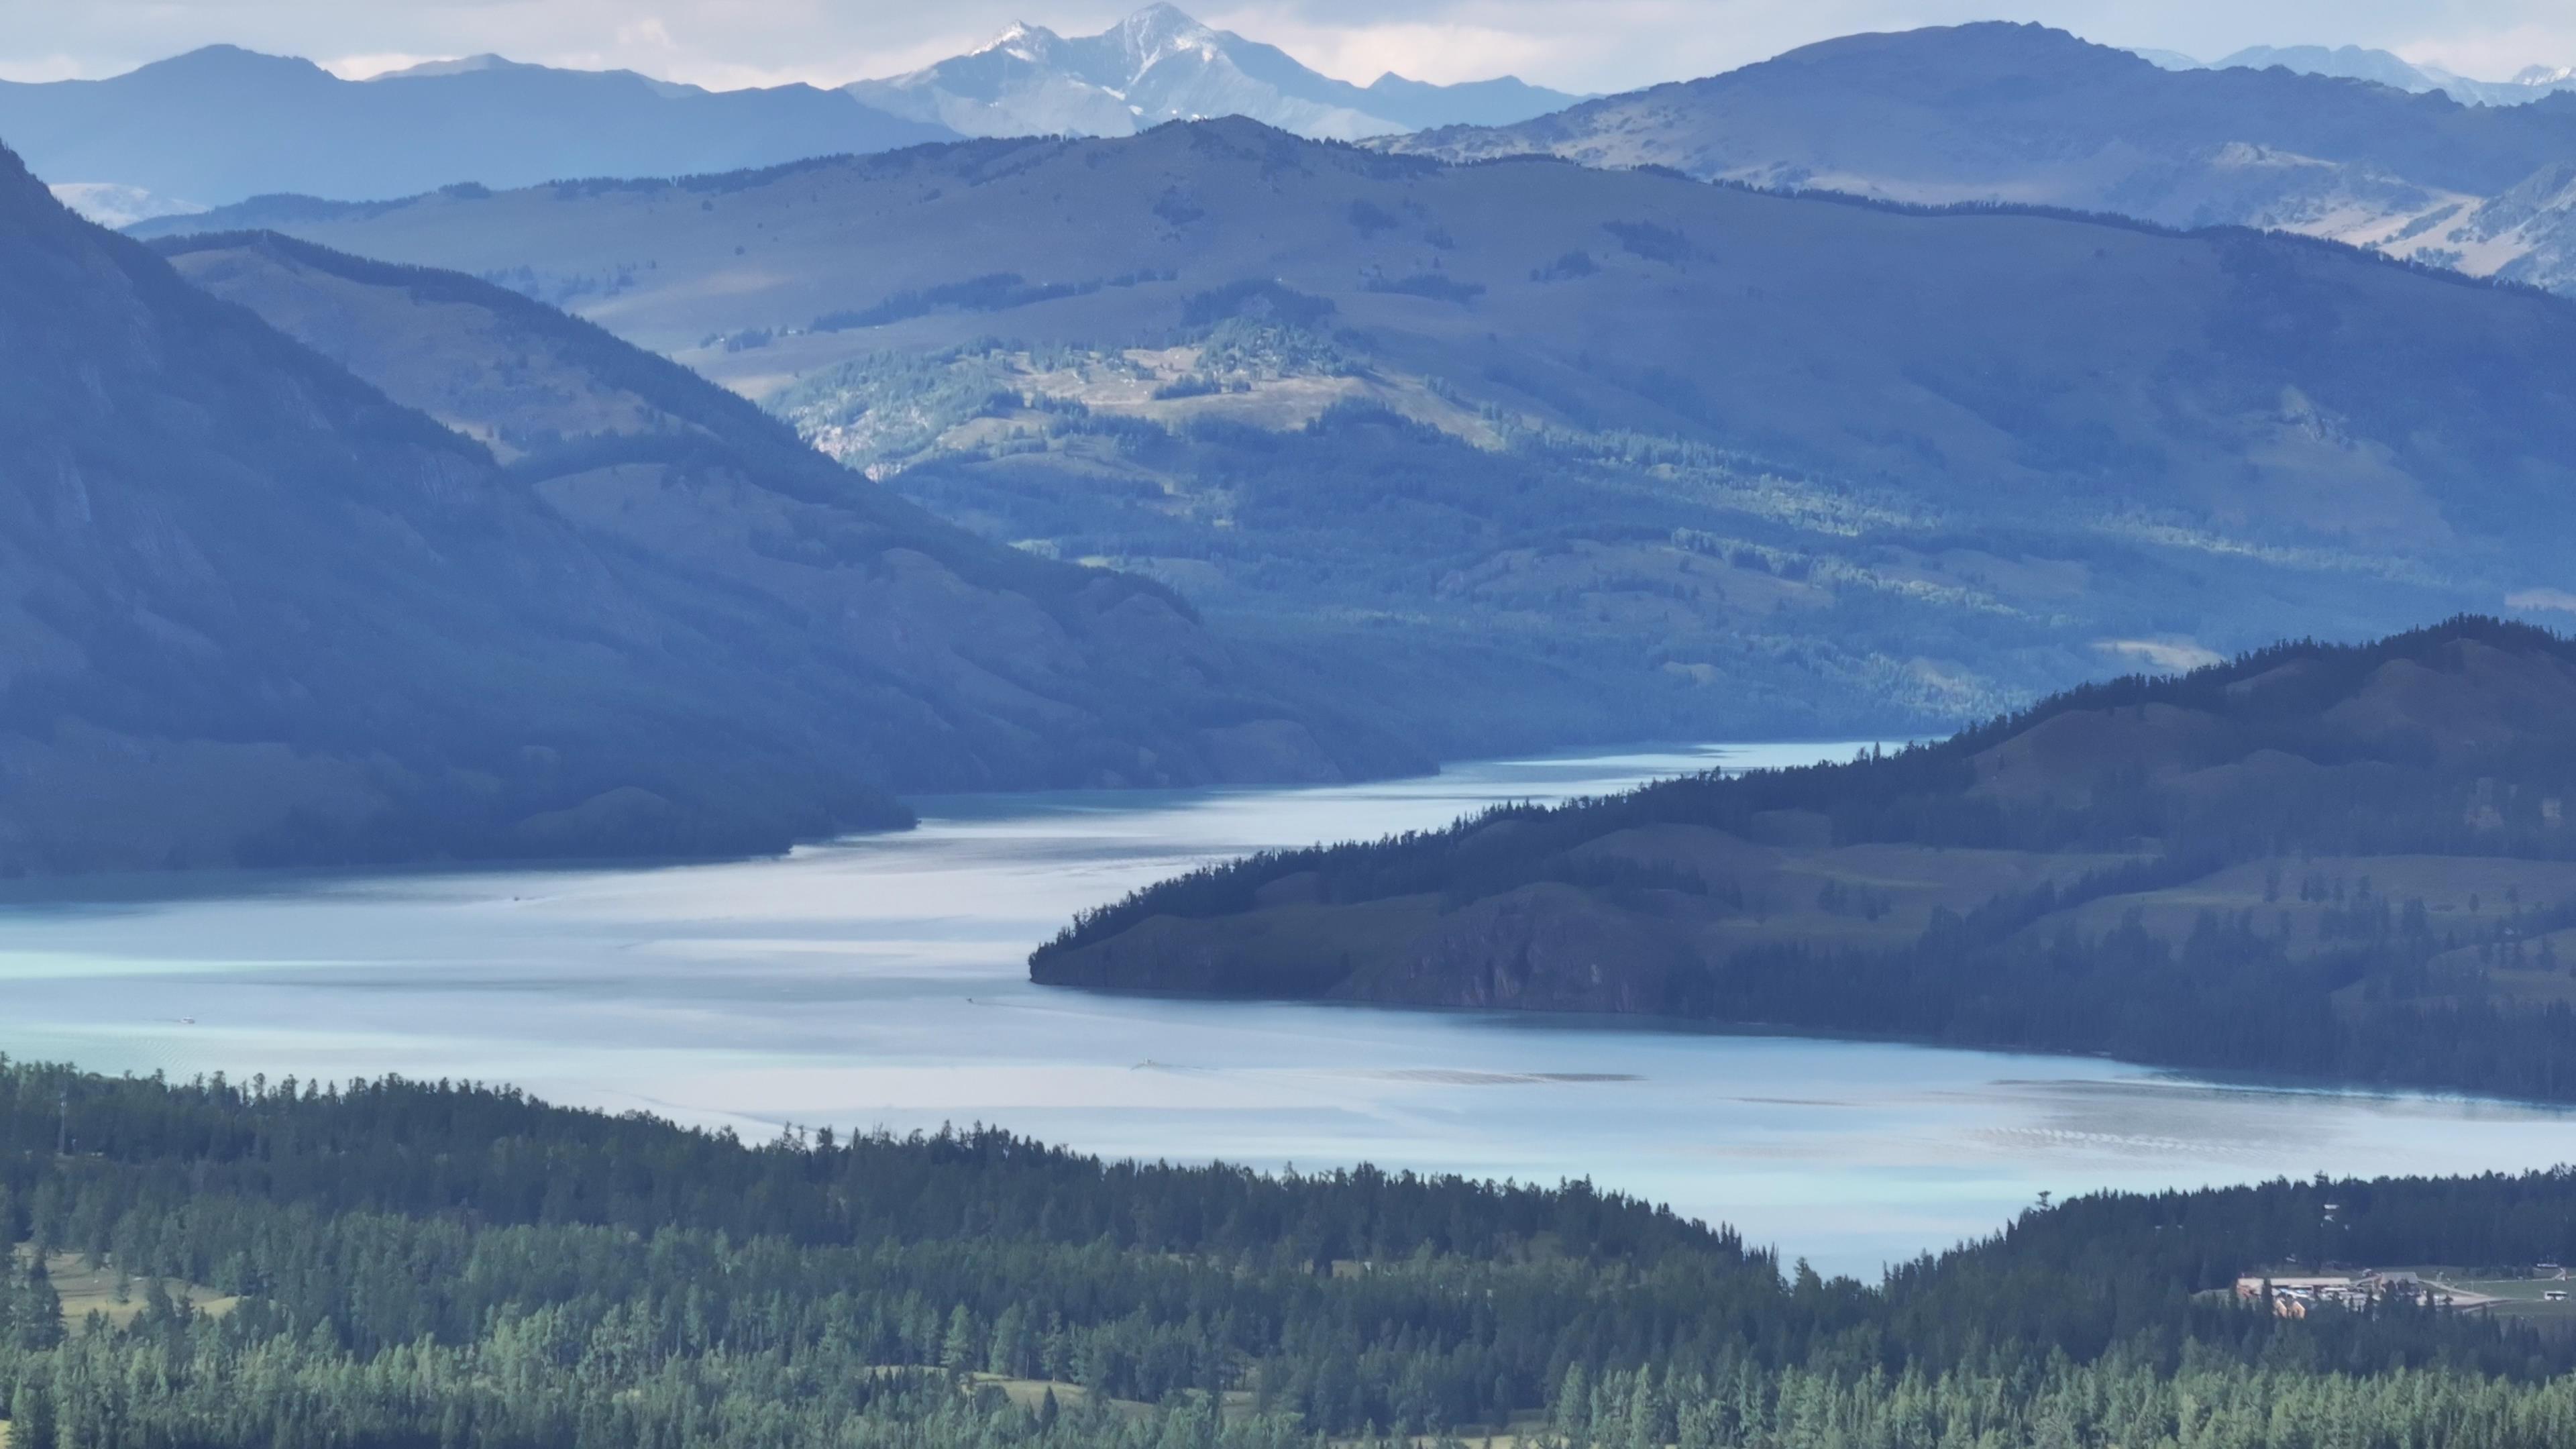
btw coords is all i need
(1583, 45)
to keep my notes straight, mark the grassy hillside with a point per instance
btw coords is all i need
(1975, 456)
(2337, 861)
(268, 613)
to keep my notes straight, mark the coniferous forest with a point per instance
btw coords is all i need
(2346, 862)
(409, 1264)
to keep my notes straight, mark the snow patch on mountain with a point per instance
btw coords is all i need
(1161, 65)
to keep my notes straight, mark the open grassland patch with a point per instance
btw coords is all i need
(119, 1299)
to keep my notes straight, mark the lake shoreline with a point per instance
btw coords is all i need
(881, 982)
(2290, 1083)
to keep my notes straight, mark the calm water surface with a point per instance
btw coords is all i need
(881, 983)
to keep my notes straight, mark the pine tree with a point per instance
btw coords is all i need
(962, 1349)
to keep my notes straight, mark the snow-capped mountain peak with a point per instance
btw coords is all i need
(1152, 31)
(1161, 64)
(1022, 41)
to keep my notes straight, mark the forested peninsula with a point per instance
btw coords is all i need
(406, 1264)
(2342, 861)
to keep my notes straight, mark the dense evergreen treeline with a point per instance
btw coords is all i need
(1917, 794)
(2358, 999)
(440, 1265)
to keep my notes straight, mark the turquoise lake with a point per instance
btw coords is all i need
(880, 982)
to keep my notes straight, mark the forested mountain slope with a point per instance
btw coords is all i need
(1664, 458)
(261, 612)
(398, 1264)
(220, 124)
(2347, 861)
(2028, 115)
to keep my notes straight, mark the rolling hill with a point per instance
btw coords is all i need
(261, 612)
(2340, 861)
(1546, 453)
(220, 124)
(2031, 116)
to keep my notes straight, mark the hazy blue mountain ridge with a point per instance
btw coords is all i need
(2531, 83)
(220, 124)
(2023, 114)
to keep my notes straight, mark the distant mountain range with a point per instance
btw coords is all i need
(222, 124)
(467, 578)
(2385, 68)
(2021, 114)
(1160, 65)
(1535, 451)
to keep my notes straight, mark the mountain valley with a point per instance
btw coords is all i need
(1756, 764)
(597, 606)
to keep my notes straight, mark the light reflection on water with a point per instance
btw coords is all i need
(880, 983)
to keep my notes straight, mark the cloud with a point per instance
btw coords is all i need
(2542, 599)
(41, 68)
(2491, 53)
(2174, 657)
(361, 67)
(1602, 45)
(1422, 50)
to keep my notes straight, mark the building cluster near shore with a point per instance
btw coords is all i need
(2294, 1297)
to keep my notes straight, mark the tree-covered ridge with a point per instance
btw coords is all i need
(2345, 861)
(426, 1264)
(1911, 794)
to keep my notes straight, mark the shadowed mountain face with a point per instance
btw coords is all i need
(260, 611)
(1599, 454)
(2353, 862)
(2018, 113)
(220, 124)
(1160, 65)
